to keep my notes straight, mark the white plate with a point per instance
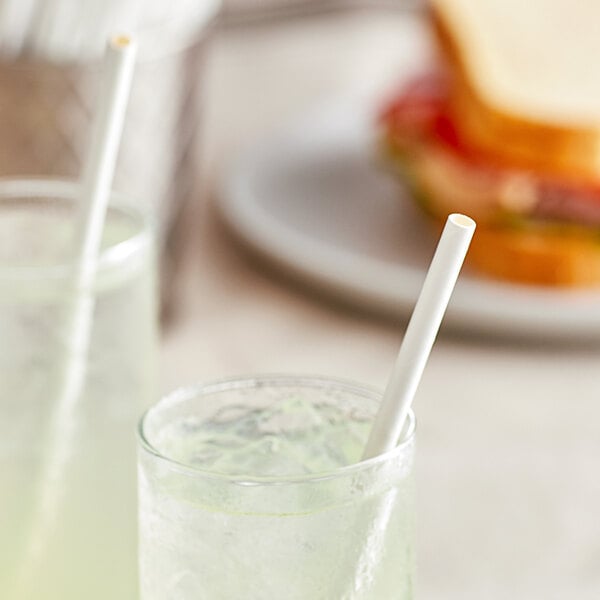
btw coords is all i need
(315, 201)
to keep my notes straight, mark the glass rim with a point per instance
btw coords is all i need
(66, 189)
(187, 393)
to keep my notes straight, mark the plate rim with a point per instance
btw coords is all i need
(522, 311)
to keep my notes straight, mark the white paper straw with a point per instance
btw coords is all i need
(95, 187)
(420, 334)
(95, 190)
(99, 168)
(402, 385)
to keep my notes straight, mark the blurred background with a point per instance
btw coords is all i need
(226, 100)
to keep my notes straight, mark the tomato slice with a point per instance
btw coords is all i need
(420, 111)
(416, 106)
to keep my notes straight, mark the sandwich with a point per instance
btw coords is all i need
(507, 130)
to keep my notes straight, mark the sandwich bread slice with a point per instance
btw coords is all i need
(508, 131)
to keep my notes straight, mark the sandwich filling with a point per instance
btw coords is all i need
(449, 174)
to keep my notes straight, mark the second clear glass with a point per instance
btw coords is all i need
(67, 463)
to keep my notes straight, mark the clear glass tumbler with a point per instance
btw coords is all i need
(67, 458)
(251, 488)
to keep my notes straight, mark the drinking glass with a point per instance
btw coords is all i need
(253, 488)
(67, 458)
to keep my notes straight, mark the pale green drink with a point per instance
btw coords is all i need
(67, 486)
(250, 488)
